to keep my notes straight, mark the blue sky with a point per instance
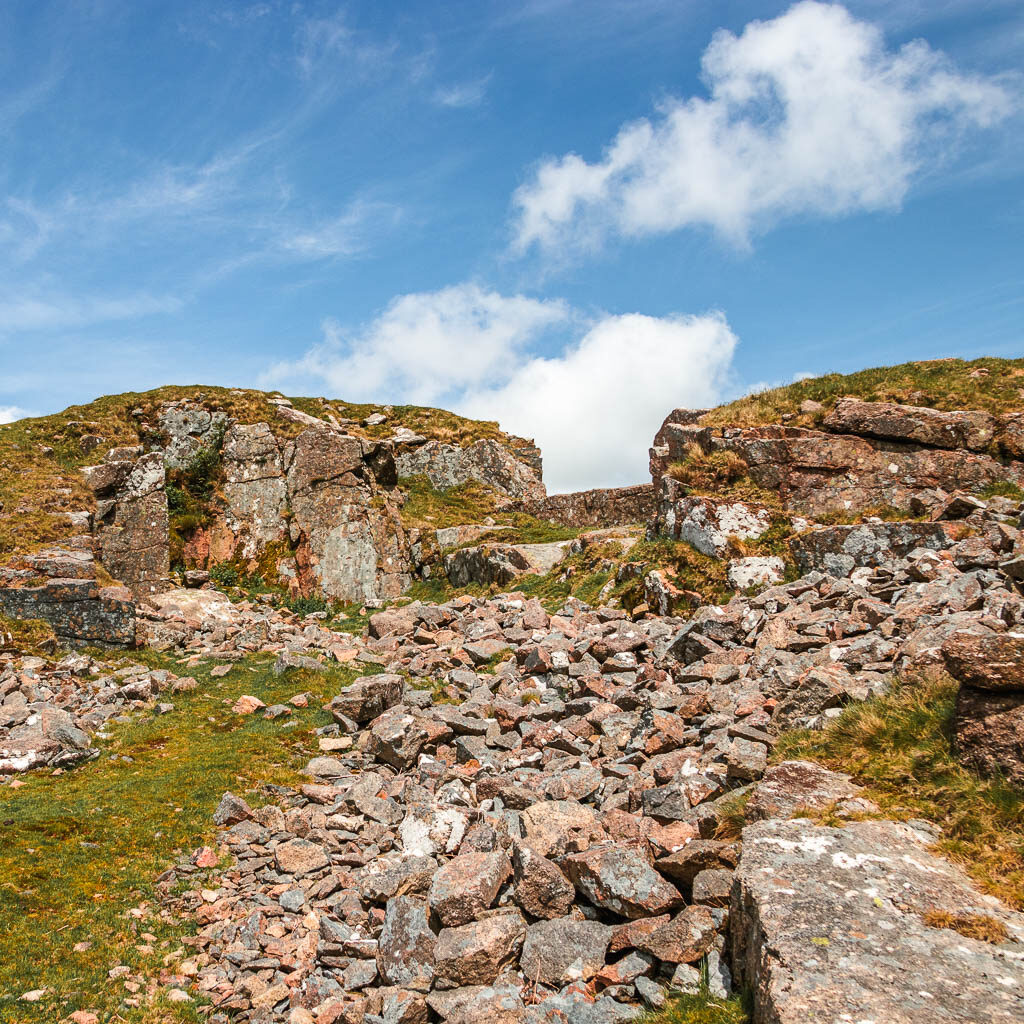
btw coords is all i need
(570, 216)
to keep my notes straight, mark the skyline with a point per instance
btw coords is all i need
(571, 225)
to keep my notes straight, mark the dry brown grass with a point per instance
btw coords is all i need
(703, 470)
(972, 926)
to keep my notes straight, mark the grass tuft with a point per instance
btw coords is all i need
(973, 926)
(708, 471)
(703, 1008)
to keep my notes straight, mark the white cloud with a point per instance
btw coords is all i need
(10, 413)
(593, 407)
(808, 113)
(427, 347)
(464, 94)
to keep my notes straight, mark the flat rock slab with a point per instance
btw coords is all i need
(827, 926)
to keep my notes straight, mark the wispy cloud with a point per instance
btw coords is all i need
(324, 43)
(352, 232)
(54, 311)
(463, 94)
(19, 104)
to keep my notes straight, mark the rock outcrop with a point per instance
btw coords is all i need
(843, 924)
(874, 454)
(59, 586)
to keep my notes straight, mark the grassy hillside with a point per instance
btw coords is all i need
(41, 456)
(996, 385)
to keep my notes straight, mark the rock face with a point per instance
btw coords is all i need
(838, 550)
(830, 924)
(990, 705)
(189, 428)
(131, 523)
(515, 472)
(616, 506)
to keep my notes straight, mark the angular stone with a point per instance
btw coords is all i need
(712, 887)
(684, 864)
(618, 878)
(755, 571)
(560, 826)
(986, 661)
(396, 738)
(468, 885)
(745, 759)
(792, 786)
(479, 1004)
(300, 857)
(405, 951)
(563, 951)
(541, 888)
(684, 939)
(476, 953)
(231, 810)
(394, 622)
(367, 698)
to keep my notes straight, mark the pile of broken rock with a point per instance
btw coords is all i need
(543, 843)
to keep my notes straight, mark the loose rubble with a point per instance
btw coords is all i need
(541, 843)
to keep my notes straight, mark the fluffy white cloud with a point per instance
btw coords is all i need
(808, 113)
(427, 347)
(593, 406)
(594, 409)
(10, 413)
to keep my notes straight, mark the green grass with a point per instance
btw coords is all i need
(77, 851)
(900, 747)
(1002, 489)
(939, 383)
(27, 636)
(703, 1009)
(428, 508)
